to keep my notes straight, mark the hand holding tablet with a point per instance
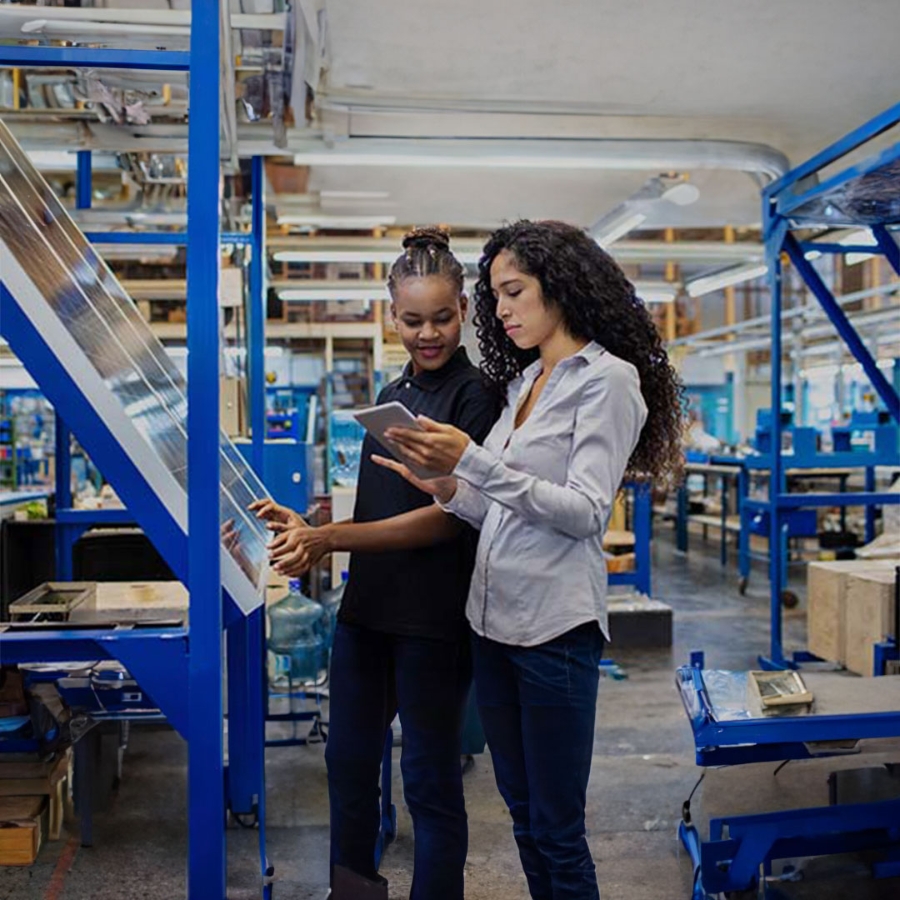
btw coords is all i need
(377, 419)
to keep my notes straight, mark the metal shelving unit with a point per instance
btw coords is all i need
(180, 667)
(865, 194)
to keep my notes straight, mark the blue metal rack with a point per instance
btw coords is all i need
(862, 195)
(753, 842)
(642, 515)
(180, 668)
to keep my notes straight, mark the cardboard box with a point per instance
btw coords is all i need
(826, 586)
(22, 827)
(869, 616)
(232, 411)
(827, 609)
(32, 779)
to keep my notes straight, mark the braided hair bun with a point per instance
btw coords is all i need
(426, 252)
(424, 238)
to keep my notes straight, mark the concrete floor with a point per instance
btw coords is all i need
(643, 770)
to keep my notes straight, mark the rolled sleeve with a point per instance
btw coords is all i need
(608, 423)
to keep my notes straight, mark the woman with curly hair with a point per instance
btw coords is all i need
(591, 398)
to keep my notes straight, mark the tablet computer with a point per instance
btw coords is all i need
(377, 419)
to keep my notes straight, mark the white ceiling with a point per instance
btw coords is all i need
(793, 75)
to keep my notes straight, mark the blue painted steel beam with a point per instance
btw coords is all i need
(83, 185)
(155, 657)
(643, 514)
(256, 321)
(90, 517)
(89, 58)
(838, 149)
(840, 321)
(206, 796)
(246, 716)
(776, 236)
(166, 238)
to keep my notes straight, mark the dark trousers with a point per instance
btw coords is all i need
(538, 706)
(373, 675)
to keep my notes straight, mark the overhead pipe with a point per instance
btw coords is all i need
(654, 155)
(12, 17)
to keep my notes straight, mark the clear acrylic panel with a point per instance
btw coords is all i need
(95, 310)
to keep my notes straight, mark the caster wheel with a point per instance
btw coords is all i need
(742, 586)
(789, 599)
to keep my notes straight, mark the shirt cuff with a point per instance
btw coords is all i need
(462, 504)
(475, 465)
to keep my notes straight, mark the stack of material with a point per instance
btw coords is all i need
(850, 609)
(32, 800)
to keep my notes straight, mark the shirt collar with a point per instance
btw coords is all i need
(589, 352)
(432, 380)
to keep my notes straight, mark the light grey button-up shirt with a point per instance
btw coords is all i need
(542, 496)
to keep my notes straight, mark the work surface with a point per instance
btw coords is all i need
(834, 694)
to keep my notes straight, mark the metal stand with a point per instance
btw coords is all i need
(854, 196)
(181, 669)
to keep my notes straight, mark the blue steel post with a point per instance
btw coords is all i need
(63, 461)
(256, 338)
(63, 477)
(246, 686)
(643, 512)
(206, 801)
(776, 476)
(83, 186)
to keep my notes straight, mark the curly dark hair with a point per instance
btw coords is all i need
(598, 303)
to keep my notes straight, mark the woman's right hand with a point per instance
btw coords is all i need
(270, 511)
(443, 489)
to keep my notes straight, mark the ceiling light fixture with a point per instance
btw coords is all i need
(348, 223)
(309, 295)
(726, 278)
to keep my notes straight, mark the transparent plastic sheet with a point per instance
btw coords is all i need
(728, 695)
(91, 304)
(871, 199)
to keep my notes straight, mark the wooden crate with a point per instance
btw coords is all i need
(41, 780)
(869, 616)
(23, 823)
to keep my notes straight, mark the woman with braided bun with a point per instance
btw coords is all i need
(591, 398)
(401, 642)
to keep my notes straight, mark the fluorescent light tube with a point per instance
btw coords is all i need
(735, 275)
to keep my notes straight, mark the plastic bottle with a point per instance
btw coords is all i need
(331, 603)
(296, 641)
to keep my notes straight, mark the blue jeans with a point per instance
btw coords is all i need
(372, 676)
(538, 706)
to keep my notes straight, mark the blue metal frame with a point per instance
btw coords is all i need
(754, 841)
(642, 512)
(783, 202)
(181, 670)
(86, 57)
(166, 238)
(256, 324)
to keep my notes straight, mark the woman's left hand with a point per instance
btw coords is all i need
(439, 447)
